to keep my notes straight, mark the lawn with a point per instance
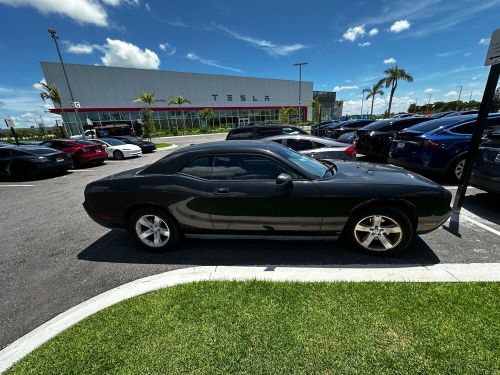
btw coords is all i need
(286, 328)
(161, 145)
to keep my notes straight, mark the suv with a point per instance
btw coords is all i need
(263, 131)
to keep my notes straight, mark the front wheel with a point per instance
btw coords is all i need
(380, 230)
(457, 169)
(154, 229)
(118, 155)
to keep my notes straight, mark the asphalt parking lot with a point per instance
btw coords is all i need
(53, 256)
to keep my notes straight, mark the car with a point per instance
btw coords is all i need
(461, 113)
(262, 131)
(20, 162)
(82, 152)
(347, 127)
(347, 138)
(146, 146)
(486, 172)
(316, 147)
(260, 189)
(438, 146)
(89, 134)
(117, 149)
(317, 129)
(374, 140)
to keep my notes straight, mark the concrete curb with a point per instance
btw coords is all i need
(356, 272)
(166, 148)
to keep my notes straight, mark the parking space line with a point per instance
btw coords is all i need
(472, 218)
(13, 185)
(81, 170)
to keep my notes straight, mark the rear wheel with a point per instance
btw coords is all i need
(154, 229)
(383, 230)
(117, 154)
(457, 169)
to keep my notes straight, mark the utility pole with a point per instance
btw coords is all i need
(362, 101)
(299, 64)
(429, 103)
(53, 35)
(459, 93)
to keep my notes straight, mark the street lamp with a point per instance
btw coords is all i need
(299, 64)
(53, 35)
(362, 101)
(460, 93)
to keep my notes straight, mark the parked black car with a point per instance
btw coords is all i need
(262, 131)
(374, 140)
(347, 127)
(486, 172)
(251, 189)
(317, 129)
(20, 162)
(145, 146)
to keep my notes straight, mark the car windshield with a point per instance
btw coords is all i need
(377, 125)
(130, 139)
(304, 163)
(113, 142)
(432, 125)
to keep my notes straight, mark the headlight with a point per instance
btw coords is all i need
(42, 159)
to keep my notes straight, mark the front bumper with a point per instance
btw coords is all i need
(131, 154)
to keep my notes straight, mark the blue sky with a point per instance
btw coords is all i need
(347, 44)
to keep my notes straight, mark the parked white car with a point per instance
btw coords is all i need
(117, 149)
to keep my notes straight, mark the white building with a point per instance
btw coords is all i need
(105, 95)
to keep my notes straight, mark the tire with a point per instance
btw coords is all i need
(456, 169)
(363, 232)
(159, 223)
(118, 155)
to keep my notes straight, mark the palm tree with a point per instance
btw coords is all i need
(393, 75)
(316, 107)
(51, 92)
(374, 91)
(207, 114)
(180, 100)
(147, 98)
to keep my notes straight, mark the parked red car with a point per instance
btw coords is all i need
(82, 152)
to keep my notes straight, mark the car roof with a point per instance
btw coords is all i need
(265, 126)
(230, 146)
(302, 136)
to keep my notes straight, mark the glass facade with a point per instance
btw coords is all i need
(165, 120)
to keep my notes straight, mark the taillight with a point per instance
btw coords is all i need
(432, 145)
(351, 151)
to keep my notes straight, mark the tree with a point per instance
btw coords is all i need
(373, 92)
(316, 107)
(393, 76)
(288, 115)
(180, 100)
(51, 92)
(148, 99)
(207, 114)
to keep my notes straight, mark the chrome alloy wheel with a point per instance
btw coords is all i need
(459, 169)
(378, 233)
(152, 230)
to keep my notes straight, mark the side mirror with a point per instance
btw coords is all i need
(284, 179)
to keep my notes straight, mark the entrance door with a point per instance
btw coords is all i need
(243, 121)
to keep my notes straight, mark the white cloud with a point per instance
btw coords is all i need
(340, 88)
(484, 41)
(194, 57)
(125, 54)
(399, 26)
(116, 3)
(373, 32)
(390, 60)
(430, 90)
(38, 86)
(148, 8)
(80, 48)
(365, 44)
(399, 104)
(82, 11)
(169, 49)
(354, 33)
(271, 48)
(451, 93)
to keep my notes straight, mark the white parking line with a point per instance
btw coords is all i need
(13, 185)
(81, 170)
(469, 216)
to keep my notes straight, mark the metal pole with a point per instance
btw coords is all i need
(460, 93)
(54, 36)
(300, 86)
(362, 101)
(484, 108)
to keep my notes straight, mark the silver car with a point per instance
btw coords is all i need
(316, 147)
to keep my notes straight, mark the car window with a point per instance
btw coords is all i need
(267, 132)
(200, 167)
(300, 144)
(247, 167)
(291, 131)
(241, 134)
(463, 129)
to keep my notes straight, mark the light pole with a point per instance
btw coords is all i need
(459, 93)
(362, 101)
(53, 35)
(429, 103)
(299, 64)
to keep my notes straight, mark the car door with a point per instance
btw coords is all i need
(243, 196)
(5, 159)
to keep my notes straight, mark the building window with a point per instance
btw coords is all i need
(229, 98)
(266, 98)
(243, 98)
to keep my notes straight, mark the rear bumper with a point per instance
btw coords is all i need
(487, 183)
(53, 167)
(91, 158)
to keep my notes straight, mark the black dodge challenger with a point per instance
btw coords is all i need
(249, 189)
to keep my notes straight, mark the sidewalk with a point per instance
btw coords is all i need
(355, 272)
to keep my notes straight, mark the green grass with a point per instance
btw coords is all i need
(161, 145)
(286, 328)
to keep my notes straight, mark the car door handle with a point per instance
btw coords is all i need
(221, 191)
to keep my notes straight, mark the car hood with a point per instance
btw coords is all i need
(360, 172)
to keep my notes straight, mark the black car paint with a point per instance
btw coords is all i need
(374, 140)
(25, 160)
(309, 206)
(260, 131)
(348, 127)
(486, 172)
(146, 146)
